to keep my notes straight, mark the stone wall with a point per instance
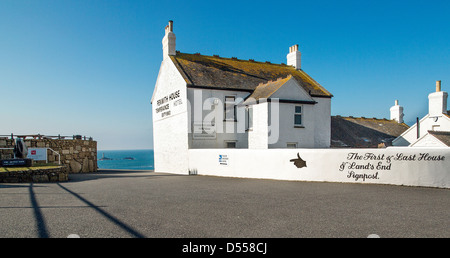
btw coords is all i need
(80, 156)
(58, 174)
(5, 153)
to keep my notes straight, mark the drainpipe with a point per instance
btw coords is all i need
(418, 127)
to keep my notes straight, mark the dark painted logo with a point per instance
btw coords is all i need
(299, 162)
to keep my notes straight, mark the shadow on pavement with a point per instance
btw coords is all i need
(41, 225)
(111, 173)
(110, 217)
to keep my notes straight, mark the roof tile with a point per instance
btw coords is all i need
(364, 132)
(235, 74)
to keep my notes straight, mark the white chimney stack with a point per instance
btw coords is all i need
(437, 101)
(294, 57)
(168, 41)
(397, 112)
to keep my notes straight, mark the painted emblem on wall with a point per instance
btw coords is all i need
(299, 162)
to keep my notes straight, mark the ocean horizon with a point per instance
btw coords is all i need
(126, 159)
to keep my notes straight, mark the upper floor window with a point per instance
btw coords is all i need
(298, 116)
(230, 108)
(249, 117)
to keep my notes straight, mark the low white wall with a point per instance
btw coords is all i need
(395, 165)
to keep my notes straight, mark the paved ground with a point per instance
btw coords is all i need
(146, 204)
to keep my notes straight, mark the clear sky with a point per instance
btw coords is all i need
(89, 67)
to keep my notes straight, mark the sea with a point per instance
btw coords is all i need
(125, 159)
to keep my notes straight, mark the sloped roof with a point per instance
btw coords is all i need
(231, 73)
(442, 136)
(361, 132)
(266, 90)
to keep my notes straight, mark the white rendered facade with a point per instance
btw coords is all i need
(397, 112)
(187, 117)
(170, 130)
(437, 119)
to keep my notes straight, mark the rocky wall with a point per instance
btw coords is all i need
(80, 156)
(43, 175)
(6, 153)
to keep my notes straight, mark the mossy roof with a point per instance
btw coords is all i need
(234, 74)
(266, 90)
(361, 132)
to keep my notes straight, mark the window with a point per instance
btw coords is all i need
(231, 144)
(249, 110)
(291, 145)
(230, 108)
(298, 115)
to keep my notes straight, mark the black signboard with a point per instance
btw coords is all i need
(16, 162)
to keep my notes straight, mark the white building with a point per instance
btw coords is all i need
(433, 130)
(214, 102)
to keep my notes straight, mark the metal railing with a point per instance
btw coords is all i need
(57, 153)
(41, 136)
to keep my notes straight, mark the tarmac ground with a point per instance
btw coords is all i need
(145, 204)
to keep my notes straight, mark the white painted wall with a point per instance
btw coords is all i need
(294, 57)
(428, 141)
(426, 124)
(303, 136)
(435, 120)
(322, 120)
(437, 103)
(203, 108)
(292, 90)
(258, 136)
(169, 41)
(316, 118)
(170, 131)
(397, 166)
(316, 130)
(397, 112)
(270, 129)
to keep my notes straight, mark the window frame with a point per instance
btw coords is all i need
(249, 117)
(226, 104)
(301, 125)
(291, 143)
(232, 142)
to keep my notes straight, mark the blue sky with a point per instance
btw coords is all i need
(89, 67)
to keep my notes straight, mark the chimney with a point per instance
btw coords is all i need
(438, 86)
(294, 57)
(168, 41)
(397, 112)
(437, 101)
